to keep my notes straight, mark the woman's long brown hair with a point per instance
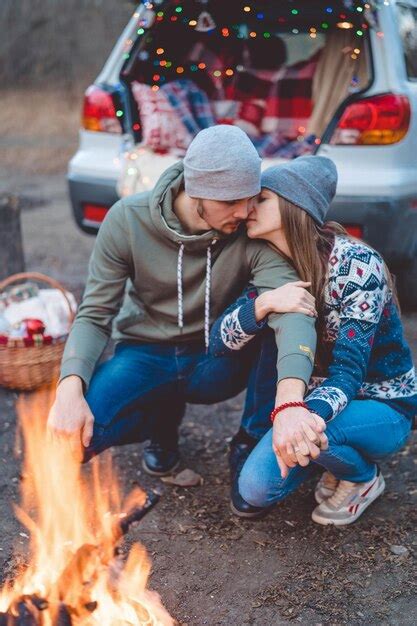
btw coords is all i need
(310, 246)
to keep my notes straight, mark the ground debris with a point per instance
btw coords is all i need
(399, 550)
(185, 478)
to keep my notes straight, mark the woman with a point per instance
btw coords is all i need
(364, 383)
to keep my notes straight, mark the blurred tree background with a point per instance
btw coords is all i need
(61, 42)
(50, 52)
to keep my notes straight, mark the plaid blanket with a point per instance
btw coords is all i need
(272, 102)
(272, 107)
(190, 103)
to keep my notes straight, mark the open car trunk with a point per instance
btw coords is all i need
(278, 70)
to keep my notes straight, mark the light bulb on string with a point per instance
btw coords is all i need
(205, 22)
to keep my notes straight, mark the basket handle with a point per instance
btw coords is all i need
(41, 278)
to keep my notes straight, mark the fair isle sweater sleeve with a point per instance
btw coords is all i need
(360, 290)
(237, 326)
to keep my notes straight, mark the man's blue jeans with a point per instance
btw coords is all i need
(363, 434)
(143, 389)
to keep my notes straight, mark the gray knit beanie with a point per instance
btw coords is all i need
(221, 163)
(308, 181)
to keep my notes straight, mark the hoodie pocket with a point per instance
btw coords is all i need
(128, 318)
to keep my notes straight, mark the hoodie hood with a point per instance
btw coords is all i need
(161, 202)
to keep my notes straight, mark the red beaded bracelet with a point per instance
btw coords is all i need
(284, 406)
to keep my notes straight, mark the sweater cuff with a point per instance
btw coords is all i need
(76, 367)
(247, 318)
(295, 366)
(321, 407)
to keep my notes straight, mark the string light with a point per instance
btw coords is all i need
(242, 30)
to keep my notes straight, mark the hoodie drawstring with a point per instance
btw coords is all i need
(206, 295)
(179, 287)
(207, 299)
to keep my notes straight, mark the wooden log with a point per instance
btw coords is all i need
(11, 246)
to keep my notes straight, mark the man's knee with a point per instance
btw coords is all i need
(256, 490)
(251, 489)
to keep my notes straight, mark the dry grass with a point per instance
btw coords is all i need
(38, 129)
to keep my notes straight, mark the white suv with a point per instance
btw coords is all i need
(365, 121)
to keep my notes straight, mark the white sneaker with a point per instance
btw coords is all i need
(348, 501)
(326, 487)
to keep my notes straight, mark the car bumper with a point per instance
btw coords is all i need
(85, 191)
(387, 224)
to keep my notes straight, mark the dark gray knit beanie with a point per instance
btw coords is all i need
(308, 181)
(222, 163)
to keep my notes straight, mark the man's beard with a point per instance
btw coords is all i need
(222, 230)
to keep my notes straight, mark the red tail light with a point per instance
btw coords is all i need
(99, 112)
(377, 121)
(355, 230)
(94, 212)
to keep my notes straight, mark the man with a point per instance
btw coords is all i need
(184, 257)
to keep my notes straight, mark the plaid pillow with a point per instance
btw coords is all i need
(163, 130)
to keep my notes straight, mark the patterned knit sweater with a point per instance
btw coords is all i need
(368, 356)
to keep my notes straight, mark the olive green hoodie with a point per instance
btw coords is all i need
(176, 284)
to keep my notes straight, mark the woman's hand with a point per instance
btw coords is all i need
(297, 438)
(290, 298)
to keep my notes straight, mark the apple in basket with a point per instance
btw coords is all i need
(34, 327)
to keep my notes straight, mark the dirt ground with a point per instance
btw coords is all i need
(210, 567)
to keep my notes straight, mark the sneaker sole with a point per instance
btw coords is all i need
(249, 515)
(153, 473)
(324, 521)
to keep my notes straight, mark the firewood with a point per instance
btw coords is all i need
(125, 521)
(63, 617)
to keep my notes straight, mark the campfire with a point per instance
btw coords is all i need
(78, 573)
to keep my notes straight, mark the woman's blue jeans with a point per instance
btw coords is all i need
(363, 434)
(142, 390)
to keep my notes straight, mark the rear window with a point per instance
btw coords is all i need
(407, 21)
(278, 70)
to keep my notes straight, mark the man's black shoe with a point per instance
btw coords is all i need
(158, 460)
(241, 446)
(242, 508)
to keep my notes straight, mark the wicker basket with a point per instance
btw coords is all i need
(24, 367)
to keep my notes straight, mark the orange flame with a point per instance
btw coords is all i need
(72, 518)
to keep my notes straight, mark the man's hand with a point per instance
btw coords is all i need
(298, 436)
(70, 416)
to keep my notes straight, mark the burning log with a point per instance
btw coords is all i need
(23, 612)
(40, 603)
(63, 617)
(125, 520)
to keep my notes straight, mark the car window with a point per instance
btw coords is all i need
(407, 22)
